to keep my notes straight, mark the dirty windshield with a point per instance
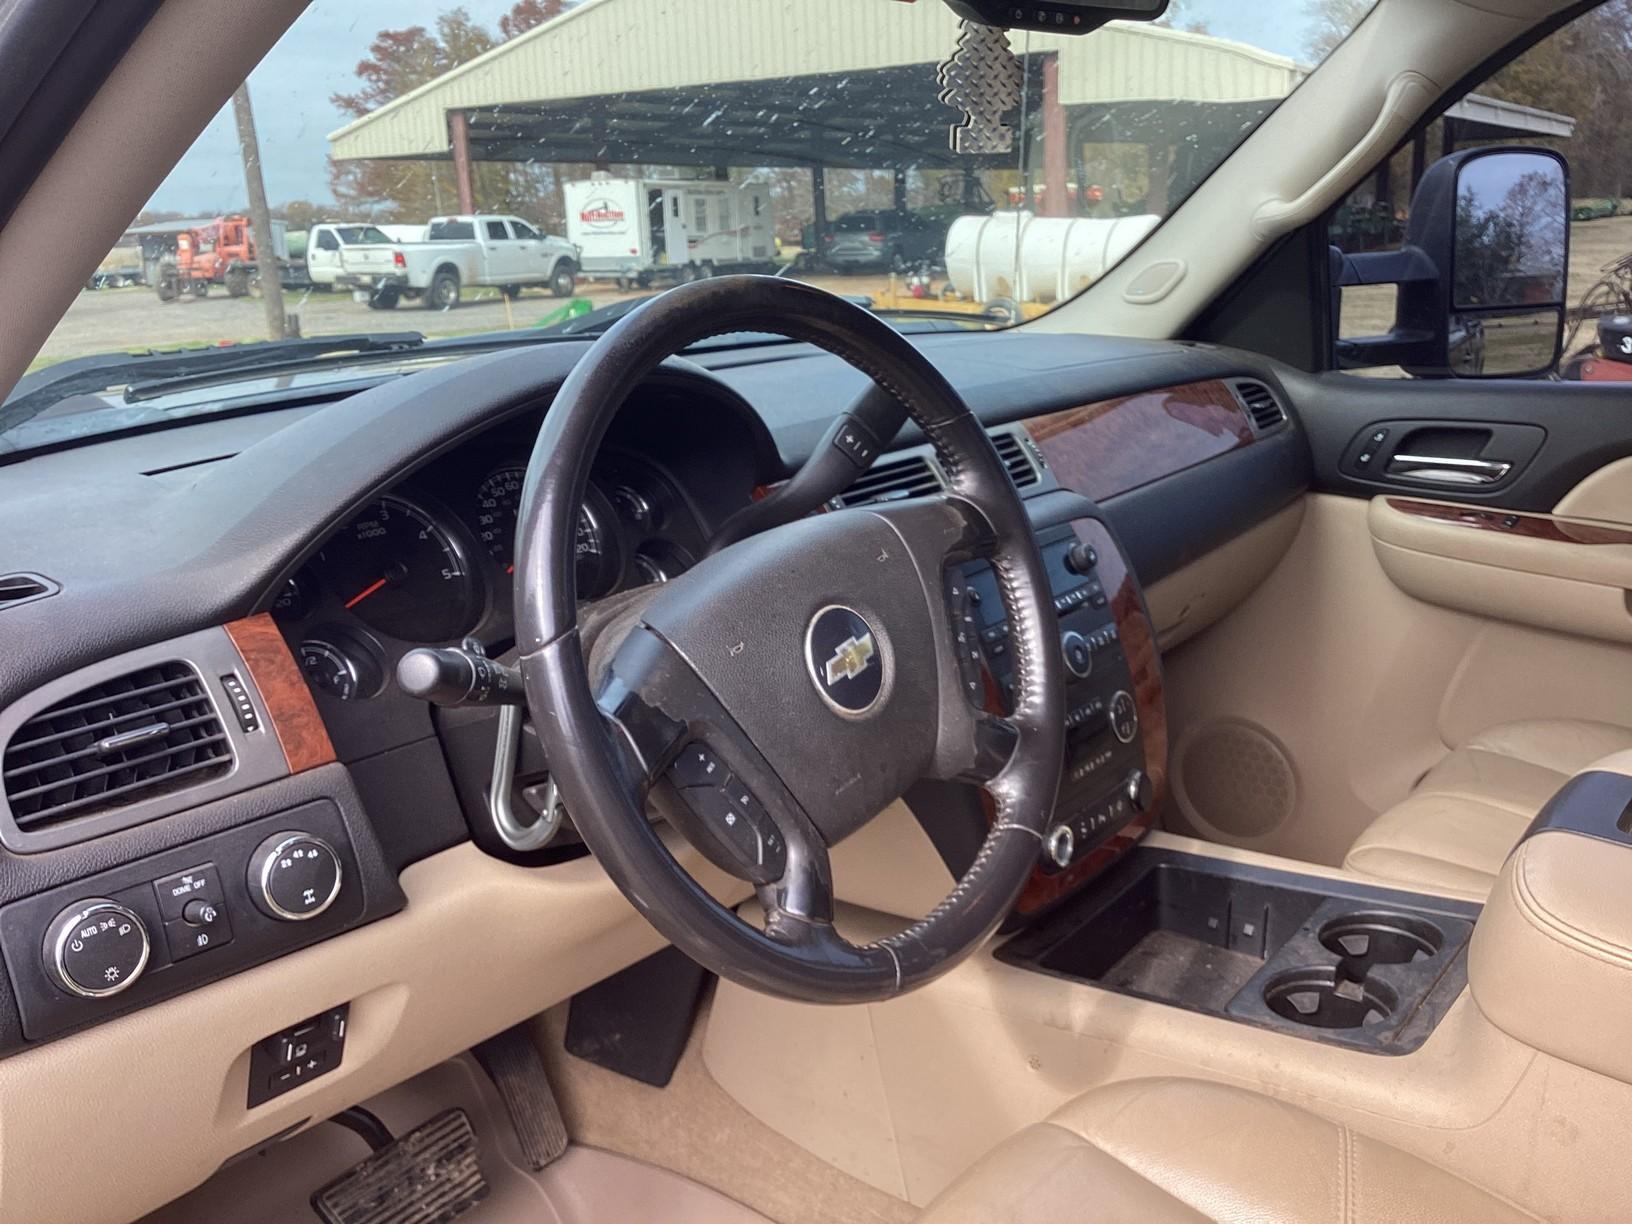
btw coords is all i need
(434, 171)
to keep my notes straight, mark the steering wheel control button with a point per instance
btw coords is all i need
(1062, 845)
(96, 948)
(697, 766)
(856, 442)
(294, 876)
(1079, 655)
(846, 660)
(745, 838)
(961, 599)
(1124, 716)
(178, 892)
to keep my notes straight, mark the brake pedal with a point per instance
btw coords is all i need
(429, 1176)
(512, 1062)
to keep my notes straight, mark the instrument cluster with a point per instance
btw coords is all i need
(433, 562)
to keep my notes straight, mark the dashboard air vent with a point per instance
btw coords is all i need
(1017, 458)
(1261, 405)
(147, 733)
(21, 588)
(892, 480)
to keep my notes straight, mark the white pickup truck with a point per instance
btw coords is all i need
(479, 249)
(342, 255)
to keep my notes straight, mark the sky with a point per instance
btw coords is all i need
(318, 57)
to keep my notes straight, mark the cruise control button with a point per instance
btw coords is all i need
(740, 825)
(697, 766)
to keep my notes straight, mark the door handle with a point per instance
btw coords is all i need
(1435, 469)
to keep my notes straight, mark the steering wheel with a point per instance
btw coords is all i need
(784, 691)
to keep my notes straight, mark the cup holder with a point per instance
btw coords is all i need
(1380, 938)
(1321, 996)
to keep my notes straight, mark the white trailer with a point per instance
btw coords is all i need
(638, 231)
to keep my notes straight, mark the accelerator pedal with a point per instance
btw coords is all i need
(512, 1062)
(429, 1176)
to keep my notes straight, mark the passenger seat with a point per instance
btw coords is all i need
(1469, 811)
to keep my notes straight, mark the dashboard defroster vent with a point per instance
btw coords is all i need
(1018, 458)
(149, 732)
(913, 475)
(22, 588)
(1261, 405)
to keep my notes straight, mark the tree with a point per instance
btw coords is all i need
(402, 60)
(527, 14)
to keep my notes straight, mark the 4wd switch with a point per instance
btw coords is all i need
(294, 876)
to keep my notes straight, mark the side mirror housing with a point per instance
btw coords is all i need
(1482, 273)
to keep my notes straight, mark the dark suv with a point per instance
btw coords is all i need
(886, 238)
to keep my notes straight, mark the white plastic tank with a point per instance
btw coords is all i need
(1021, 257)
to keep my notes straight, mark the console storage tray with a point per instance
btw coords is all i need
(1332, 961)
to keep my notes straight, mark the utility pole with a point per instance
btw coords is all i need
(260, 216)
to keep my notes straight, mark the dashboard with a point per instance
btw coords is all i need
(263, 572)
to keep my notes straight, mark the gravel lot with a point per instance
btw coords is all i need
(105, 319)
(122, 318)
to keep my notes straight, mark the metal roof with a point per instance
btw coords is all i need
(1494, 117)
(625, 80)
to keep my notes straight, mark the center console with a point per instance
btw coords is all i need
(1115, 767)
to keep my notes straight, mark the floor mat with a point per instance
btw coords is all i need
(694, 1127)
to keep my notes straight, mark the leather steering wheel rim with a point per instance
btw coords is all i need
(670, 682)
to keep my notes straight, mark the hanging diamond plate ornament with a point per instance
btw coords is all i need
(983, 80)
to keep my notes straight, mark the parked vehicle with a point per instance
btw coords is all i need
(220, 252)
(641, 231)
(346, 255)
(894, 239)
(460, 251)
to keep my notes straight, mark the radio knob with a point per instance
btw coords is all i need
(1124, 716)
(1079, 655)
(1081, 559)
(294, 876)
(96, 948)
(1061, 845)
(1140, 790)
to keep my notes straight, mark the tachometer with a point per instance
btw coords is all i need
(399, 571)
(498, 506)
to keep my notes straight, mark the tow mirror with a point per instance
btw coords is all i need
(1482, 273)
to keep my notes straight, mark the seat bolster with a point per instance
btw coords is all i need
(1493, 778)
(1172, 1150)
(1046, 1174)
(1438, 841)
(1563, 745)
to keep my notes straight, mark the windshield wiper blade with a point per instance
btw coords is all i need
(38, 391)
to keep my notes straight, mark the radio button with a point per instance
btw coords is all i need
(1079, 655)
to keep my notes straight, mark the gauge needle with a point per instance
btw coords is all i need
(364, 593)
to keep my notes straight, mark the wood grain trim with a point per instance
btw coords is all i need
(1145, 665)
(1529, 526)
(1110, 447)
(289, 705)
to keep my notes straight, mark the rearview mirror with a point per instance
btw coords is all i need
(1057, 16)
(1482, 273)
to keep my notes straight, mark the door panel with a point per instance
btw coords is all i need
(1556, 434)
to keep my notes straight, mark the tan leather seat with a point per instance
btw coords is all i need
(1470, 810)
(1166, 1150)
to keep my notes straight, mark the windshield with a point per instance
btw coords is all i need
(567, 158)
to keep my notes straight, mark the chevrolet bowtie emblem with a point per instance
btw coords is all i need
(853, 657)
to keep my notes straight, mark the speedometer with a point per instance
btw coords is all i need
(400, 572)
(595, 542)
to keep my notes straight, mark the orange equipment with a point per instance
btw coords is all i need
(220, 253)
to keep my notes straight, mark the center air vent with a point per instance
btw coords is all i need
(147, 733)
(912, 476)
(1017, 458)
(1261, 405)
